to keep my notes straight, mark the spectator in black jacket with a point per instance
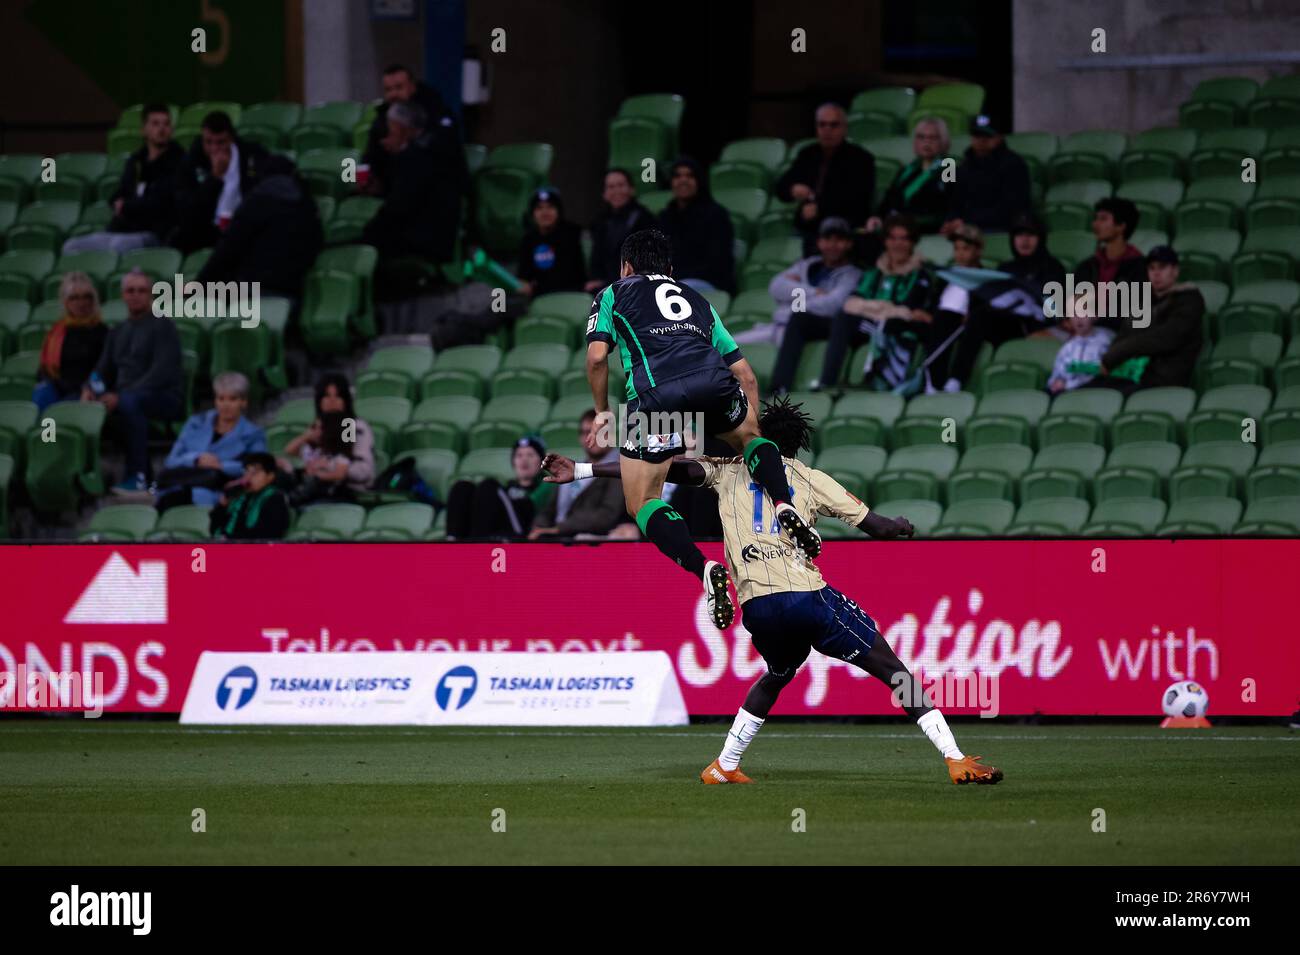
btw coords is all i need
(421, 213)
(550, 254)
(700, 230)
(1163, 351)
(400, 86)
(620, 216)
(1116, 259)
(219, 170)
(274, 237)
(919, 189)
(992, 186)
(261, 512)
(139, 376)
(144, 206)
(830, 177)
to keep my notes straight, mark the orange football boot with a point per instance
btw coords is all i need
(968, 769)
(715, 775)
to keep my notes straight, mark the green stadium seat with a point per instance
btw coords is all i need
(850, 430)
(634, 139)
(882, 406)
(1191, 482)
(895, 101)
(1219, 514)
(1015, 403)
(1066, 513)
(1247, 400)
(486, 462)
(43, 225)
(1274, 480)
(993, 515)
(328, 522)
(905, 484)
(546, 330)
(1015, 377)
(1159, 457)
(967, 98)
(1040, 147)
(1012, 460)
(186, 521)
(767, 152)
(386, 415)
(411, 519)
(1234, 457)
(864, 126)
(863, 462)
(1070, 429)
(1283, 295)
(299, 412)
(413, 360)
(1207, 114)
(1283, 511)
(923, 514)
(122, 522)
(19, 175)
(936, 460)
(1081, 458)
(396, 384)
(971, 485)
(573, 306)
(1100, 403)
(1143, 513)
(528, 411)
(1264, 214)
(1127, 481)
(982, 431)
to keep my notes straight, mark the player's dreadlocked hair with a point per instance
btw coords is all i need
(787, 425)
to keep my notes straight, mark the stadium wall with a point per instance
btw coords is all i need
(1050, 96)
(1077, 627)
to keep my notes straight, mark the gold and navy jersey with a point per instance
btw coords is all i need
(663, 330)
(760, 559)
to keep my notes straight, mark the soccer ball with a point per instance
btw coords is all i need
(1186, 698)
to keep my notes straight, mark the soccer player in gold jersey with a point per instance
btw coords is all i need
(787, 607)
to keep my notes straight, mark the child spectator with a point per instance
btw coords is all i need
(550, 255)
(260, 512)
(1079, 360)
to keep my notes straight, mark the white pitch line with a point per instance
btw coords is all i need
(433, 732)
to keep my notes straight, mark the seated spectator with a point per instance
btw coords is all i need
(918, 189)
(210, 449)
(829, 178)
(700, 231)
(952, 311)
(1001, 311)
(401, 86)
(1164, 352)
(260, 512)
(139, 376)
(215, 175)
(144, 203)
(274, 237)
(550, 254)
(992, 186)
(1031, 263)
(73, 344)
(577, 510)
(1113, 222)
(325, 462)
(1079, 360)
(890, 307)
(334, 397)
(817, 286)
(488, 509)
(421, 211)
(620, 216)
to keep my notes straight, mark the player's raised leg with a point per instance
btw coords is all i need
(643, 486)
(763, 459)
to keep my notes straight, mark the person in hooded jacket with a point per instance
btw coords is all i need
(1114, 220)
(550, 254)
(274, 237)
(700, 231)
(1032, 266)
(620, 216)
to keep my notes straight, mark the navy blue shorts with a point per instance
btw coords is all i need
(712, 392)
(787, 626)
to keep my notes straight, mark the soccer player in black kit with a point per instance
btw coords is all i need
(679, 358)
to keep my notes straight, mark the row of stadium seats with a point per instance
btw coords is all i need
(400, 521)
(1228, 101)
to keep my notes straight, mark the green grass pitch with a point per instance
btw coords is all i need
(84, 793)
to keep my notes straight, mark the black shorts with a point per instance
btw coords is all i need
(714, 394)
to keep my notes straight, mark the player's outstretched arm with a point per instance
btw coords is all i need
(562, 470)
(748, 382)
(886, 528)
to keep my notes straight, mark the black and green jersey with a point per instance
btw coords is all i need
(663, 330)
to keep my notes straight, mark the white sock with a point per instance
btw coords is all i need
(742, 733)
(935, 727)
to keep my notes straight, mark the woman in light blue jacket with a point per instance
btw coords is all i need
(216, 440)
